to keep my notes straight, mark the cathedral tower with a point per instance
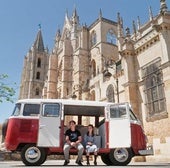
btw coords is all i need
(34, 70)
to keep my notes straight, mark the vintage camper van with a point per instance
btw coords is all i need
(36, 129)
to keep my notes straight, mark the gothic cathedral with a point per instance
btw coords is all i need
(105, 62)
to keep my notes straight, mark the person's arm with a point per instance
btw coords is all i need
(68, 140)
(79, 140)
(79, 137)
(87, 140)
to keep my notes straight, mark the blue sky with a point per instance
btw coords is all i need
(19, 21)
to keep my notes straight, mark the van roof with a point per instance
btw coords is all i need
(67, 102)
(64, 101)
(74, 107)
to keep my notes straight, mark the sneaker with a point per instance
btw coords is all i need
(66, 162)
(79, 163)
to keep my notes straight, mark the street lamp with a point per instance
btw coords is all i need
(117, 84)
(107, 74)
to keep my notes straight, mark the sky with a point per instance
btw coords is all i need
(19, 20)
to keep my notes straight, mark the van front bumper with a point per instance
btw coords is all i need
(147, 151)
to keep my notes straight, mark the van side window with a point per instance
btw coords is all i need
(16, 111)
(118, 112)
(51, 110)
(31, 110)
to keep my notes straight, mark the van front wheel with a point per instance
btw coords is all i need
(120, 156)
(32, 155)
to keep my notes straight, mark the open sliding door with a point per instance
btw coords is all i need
(119, 126)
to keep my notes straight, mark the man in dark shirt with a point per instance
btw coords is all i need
(73, 139)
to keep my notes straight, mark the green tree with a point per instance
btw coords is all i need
(6, 92)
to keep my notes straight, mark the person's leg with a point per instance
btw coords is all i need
(66, 153)
(80, 153)
(94, 149)
(95, 154)
(95, 158)
(87, 158)
(87, 154)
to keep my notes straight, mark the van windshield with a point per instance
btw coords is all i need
(16, 110)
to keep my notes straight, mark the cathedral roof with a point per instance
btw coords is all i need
(102, 19)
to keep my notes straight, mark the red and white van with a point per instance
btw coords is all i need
(36, 129)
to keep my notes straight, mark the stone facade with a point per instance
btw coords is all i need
(107, 63)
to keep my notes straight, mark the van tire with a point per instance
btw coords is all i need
(32, 155)
(106, 160)
(120, 156)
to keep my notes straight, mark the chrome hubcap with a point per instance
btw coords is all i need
(121, 154)
(32, 154)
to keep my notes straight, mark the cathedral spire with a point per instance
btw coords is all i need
(138, 23)
(150, 14)
(120, 36)
(120, 25)
(134, 27)
(38, 44)
(75, 18)
(163, 6)
(66, 17)
(100, 14)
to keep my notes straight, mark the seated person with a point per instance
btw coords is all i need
(73, 139)
(90, 144)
